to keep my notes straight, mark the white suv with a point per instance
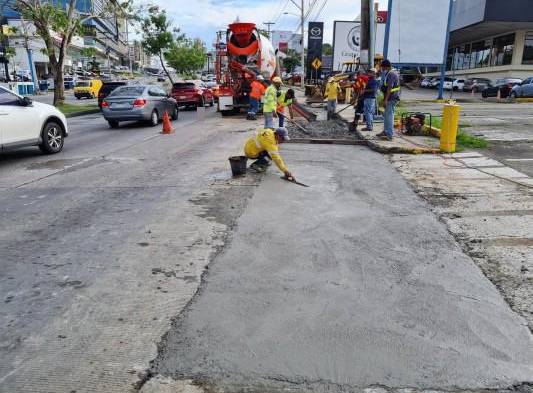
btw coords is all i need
(26, 123)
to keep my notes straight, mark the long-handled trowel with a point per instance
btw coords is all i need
(293, 180)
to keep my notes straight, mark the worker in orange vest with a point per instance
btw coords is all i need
(257, 90)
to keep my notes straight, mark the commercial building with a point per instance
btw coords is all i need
(491, 39)
(139, 58)
(107, 36)
(286, 40)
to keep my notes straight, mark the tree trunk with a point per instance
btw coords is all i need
(165, 68)
(6, 68)
(59, 88)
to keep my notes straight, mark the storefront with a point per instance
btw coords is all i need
(491, 39)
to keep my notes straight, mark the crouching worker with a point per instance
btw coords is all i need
(265, 146)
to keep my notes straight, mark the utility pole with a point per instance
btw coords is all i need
(365, 31)
(303, 46)
(268, 24)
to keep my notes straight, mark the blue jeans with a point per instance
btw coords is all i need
(388, 121)
(269, 119)
(254, 106)
(281, 120)
(332, 106)
(370, 107)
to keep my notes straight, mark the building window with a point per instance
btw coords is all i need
(502, 50)
(528, 49)
(480, 54)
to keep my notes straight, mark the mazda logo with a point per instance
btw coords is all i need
(316, 31)
(353, 38)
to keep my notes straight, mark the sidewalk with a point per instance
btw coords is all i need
(400, 144)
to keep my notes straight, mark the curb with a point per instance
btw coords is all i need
(321, 141)
(393, 149)
(78, 114)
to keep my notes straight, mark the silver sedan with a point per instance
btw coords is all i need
(138, 103)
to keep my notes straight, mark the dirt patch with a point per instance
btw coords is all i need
(333, 129)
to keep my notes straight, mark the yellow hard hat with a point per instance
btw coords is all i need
(277, 79)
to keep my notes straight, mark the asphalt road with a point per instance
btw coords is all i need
(101, 247)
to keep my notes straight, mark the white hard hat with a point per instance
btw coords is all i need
(260, 78)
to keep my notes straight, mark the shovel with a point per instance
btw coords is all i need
(305, 131)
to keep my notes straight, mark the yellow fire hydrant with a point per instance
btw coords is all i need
(450, 123)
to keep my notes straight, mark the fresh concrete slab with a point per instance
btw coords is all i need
(350, 283)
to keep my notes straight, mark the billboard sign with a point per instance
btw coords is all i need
(315, 38)
(411, 20)
(346, 42)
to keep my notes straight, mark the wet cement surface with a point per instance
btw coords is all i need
(347, 284)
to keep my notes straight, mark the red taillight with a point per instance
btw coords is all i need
(139, 102)
(105, 104)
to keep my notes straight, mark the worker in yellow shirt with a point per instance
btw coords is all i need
(332, 90)
(270, 101)
(265, 145)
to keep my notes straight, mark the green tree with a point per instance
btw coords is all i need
(158, 35)
(186, 56)
(291, 61)
(327, 49)
(61, 21)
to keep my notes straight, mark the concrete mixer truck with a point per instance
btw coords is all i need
(242, 53)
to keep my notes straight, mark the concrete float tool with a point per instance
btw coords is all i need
(293, 180)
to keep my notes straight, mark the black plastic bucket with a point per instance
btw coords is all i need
(238, 165)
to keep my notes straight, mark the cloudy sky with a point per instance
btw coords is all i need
(202, 18)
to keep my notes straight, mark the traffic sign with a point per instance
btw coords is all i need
(316, 63)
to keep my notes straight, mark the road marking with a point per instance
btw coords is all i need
(518, 159)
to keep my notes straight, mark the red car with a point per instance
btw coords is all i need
(192, 94)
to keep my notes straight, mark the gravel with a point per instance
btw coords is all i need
(333, 129)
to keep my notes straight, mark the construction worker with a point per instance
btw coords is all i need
(390, 86)
(264, 146)
(270, 100)
(358, 86)
(257, 90)
(284, 100)
(331, 93)
(369, 99)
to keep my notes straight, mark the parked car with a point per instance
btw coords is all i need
(27, 123)
(107, 88)
(138, 103)
(504, 86)
(524, 89)
(434, 83)
(192, 94)
(476, 84)
(425, 82)
(88, 88)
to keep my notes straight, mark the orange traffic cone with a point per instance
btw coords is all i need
(167, 127)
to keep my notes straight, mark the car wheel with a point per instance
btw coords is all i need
(226, 113)
(53, 138)
(201, 104)
(113, 123)
(175, 113)
(154, 118)
(78, 97)
(483, 94)
(212, 103)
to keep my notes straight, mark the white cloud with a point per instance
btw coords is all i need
(202, 18)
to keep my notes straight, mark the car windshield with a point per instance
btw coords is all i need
(128, 91)
(83, 84)
(184, 85)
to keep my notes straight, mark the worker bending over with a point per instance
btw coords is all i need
(271, 101)
(284, 100)
(264, 146)
(332, 90)
(257, 89)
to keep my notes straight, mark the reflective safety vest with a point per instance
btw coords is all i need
(385, 84)
(270, 99)
(265, 140)
(257, 90)
(282, 102)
